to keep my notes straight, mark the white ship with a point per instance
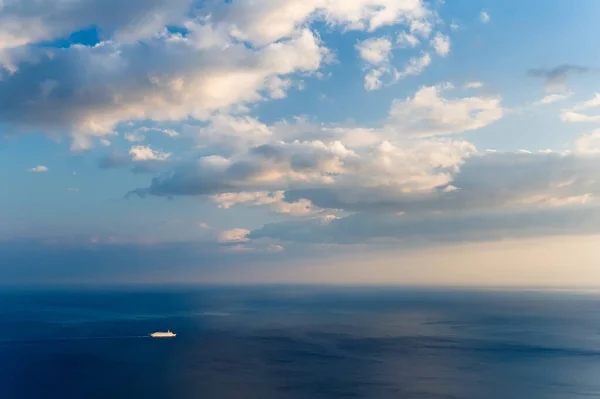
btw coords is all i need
(160, 334)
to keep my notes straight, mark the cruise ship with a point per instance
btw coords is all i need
(160, 334)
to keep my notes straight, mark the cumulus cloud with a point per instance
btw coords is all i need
(375, 50)
(47, 20)
(423, 230)
(167, 77)
(574, 114)
(415, 167)
(373, 79)
(493, 195)
(553, 98)
(39, 169)
(441, 44)
(588, 143)
(555, 79)
(145, 153)
(141, 159)
(473, 85)
(484, 17)
(273, 200)
(225, 56)
(482, 181)
(405, 39)
(234, 236)
(270, 20)
(428, 113)
(413, 67)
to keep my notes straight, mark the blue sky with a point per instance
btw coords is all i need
(242, 141)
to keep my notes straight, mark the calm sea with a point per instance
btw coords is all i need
(298, 342)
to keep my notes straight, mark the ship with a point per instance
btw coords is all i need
(161, 334)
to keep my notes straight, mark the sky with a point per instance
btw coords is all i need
(299, 141)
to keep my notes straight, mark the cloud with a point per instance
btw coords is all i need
(427, 230)
(134, 137)
(271, 20)
(273, 200)
(416, 166)
(405, 40)
(373, 79)
(164, 78)
(492, 195)
(484, 17)
(141, 159)
(414, 67)
(480, 182)
(430, 114)
(555, 79)
(441, 44)
(574, 114)
(553, 98)
(134, 20)
(375, 51)
(588, 143)
(234, 236)
(39, 169)
(145, 153)
(473, 85)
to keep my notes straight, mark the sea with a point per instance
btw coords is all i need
(298, 342)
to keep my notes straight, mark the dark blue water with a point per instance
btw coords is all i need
(299, 342)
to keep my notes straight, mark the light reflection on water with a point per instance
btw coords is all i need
(305, 342)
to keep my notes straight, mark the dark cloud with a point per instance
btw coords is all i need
(489, 181)
(114, 161)
(556, 78)
(34, 261)
(422, 229)
(266, 167)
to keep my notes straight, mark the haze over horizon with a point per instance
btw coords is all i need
(300, 141)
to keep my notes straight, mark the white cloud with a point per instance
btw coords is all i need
(574, 114)
(270, 20)
(105, 143)
(554, 98)
(484, 17)
(134, 137)
(49, 20)
(588, 143)
(39, 169)
(145, 153)
(230, 131)
(273, 200)
(430, 114)
(275, 248)
(193, 83)
(363, 174)
(473, 85)
(373, 79)
(234, 235)
(441, 44)
(405, 39)
(375, 51)
(421, 27)
(571, 116)
(414, 67)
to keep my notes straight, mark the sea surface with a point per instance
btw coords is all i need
(298, 342)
